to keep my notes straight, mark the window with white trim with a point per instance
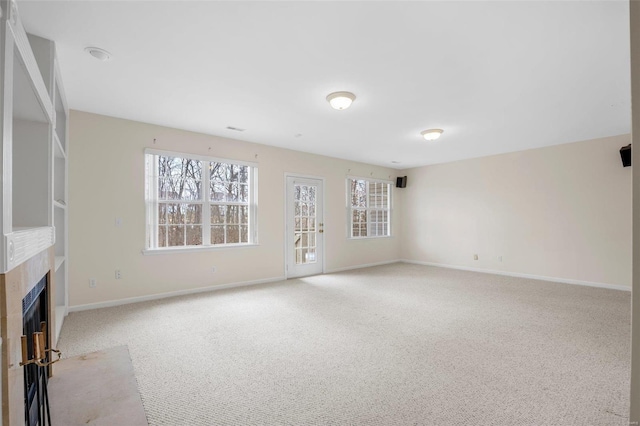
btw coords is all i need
(370, 208)
(195, 201)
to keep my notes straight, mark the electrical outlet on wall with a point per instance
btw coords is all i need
(118, 274)
(92, 283)
(499, 258)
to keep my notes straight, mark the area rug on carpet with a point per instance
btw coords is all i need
(391, 345)
(96, 389)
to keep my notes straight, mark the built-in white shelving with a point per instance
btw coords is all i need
(60, 191)
(59, 152)
(27, 129)
(33, 190)
(34, 128)
(59, 260)
(60, 313)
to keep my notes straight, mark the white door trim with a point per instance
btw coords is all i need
(286, 219)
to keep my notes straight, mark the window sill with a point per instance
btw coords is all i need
(173, 250)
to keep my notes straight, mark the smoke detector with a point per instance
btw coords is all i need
(98, 53)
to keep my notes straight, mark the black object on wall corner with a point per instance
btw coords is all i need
(625, 154)
(401, 182)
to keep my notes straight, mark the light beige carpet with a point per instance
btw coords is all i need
(392, 345)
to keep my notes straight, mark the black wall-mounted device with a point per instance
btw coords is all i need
(625, 155)
(401, 182)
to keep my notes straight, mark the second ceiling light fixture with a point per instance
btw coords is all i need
(343, 100)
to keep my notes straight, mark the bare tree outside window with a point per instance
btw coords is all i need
(230, 203)
(370, 208)
(179, 202)
(183, 190)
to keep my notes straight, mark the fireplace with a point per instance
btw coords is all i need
(34, 314)
(16, 293)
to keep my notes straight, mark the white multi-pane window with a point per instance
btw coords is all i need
(195, 201)
(370, 208)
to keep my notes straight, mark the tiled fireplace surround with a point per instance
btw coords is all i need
(14, 285)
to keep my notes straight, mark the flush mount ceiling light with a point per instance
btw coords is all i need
(98, 53)
(431, 134)
(340, 100)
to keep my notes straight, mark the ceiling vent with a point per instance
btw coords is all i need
(236, 129)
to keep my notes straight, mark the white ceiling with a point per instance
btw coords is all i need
(496, 76)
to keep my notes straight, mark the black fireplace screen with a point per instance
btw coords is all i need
(34, 311)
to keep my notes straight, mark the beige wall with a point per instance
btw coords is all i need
(561, 211)
(106, 181)
(634, 13)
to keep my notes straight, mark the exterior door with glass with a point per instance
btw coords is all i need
(304, 227)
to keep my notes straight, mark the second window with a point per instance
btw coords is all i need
(370, 208)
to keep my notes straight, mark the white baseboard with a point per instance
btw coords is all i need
(129, 300)
(519, 275)
(366, 265)
(138, 299)
(111, 303)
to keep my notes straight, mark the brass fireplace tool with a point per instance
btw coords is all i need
(40, 359)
